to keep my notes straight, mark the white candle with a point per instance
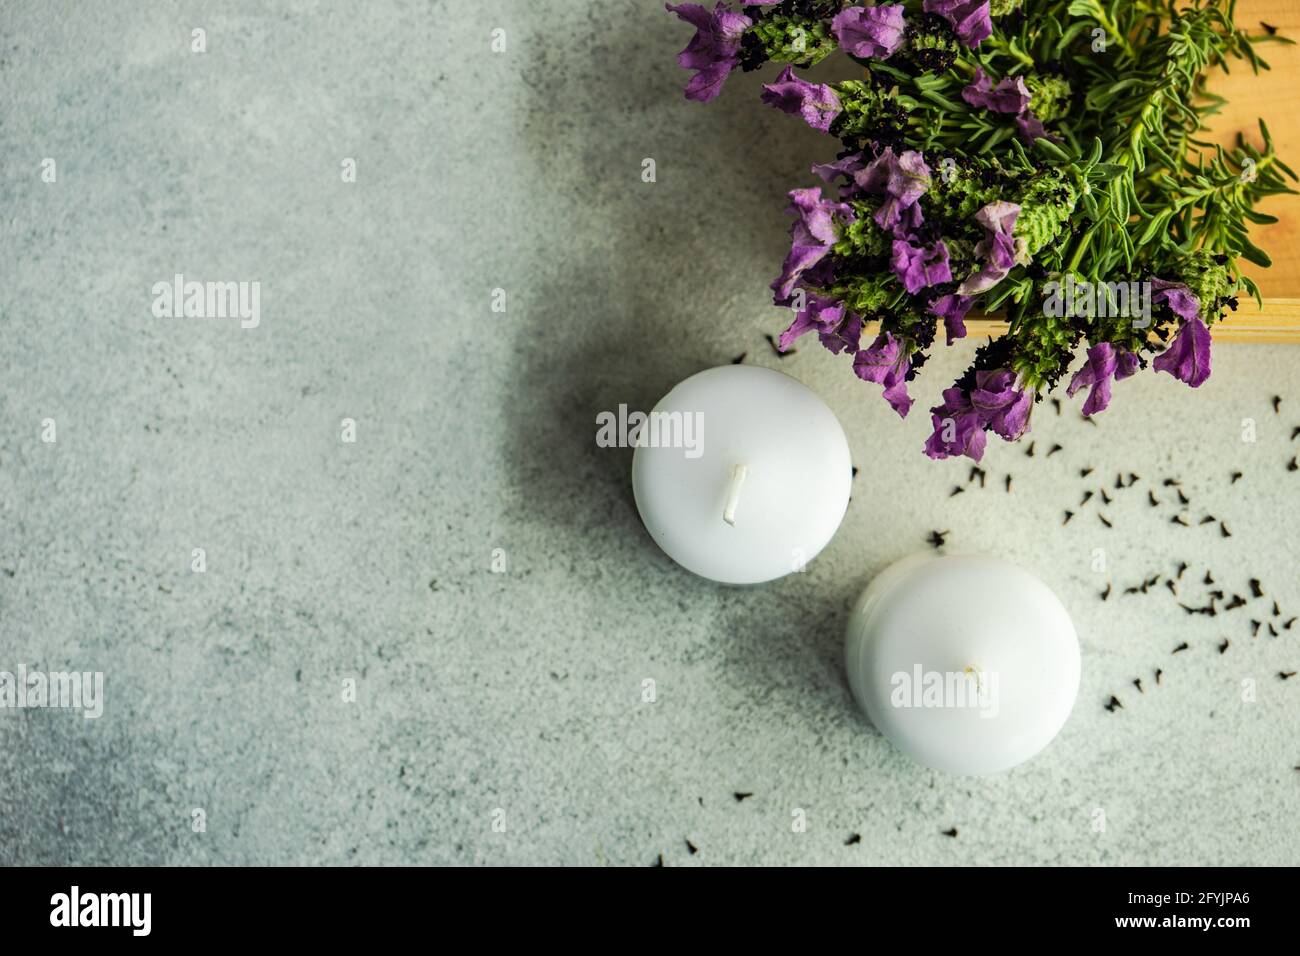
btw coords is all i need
(763, 484)
(968, 664)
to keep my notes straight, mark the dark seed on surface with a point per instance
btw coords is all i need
(1053, 450)
(1029, 452)
(1276, 610)
(692, 848)
(1286, 675)
(1119, 481)
(950, 833)
(1008, 484)
(1255, 589)
(1113, 703)
(1087, 496)
(1182, 566)
(956, 490)
(1254, 628)
(1277, 404)
(1137, 682)
(1182, 497)
(739, 358)
(1171, 482)
(855, 471)
(1181, 647)
(1224, 646)
(1104, 521)
(1223, 530)
(1172, 590)
(1236, 602)
(1085, 472)
(742, 796)
(1105, 497)
(658, 862)
(1178, 519)
(855, 838)
(1158, 673)
(1056, 403)
(1106, 593)
(936, 539)
(1287, 625)
(775, 348)
(1236, 475)
(1209, 578)
(1068, 516)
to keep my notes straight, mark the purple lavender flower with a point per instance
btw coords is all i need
(1104, 363)
(958, 429)
(845, 166)
(902, 180)
(999, 249)
(969, 18)
(952, 309)
(818, 313)
(714, 51)
(1188, 356)
(1180, 299)
(813, 233)
(1002, 407)
(1009, 96)
(844, 336)
(869, 31)
(1032, 128)
(815, 102)
(918, 267)
(886, 363)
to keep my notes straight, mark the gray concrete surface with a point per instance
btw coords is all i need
(516, 697)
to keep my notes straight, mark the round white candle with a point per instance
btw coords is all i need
(968, 664)
(765, 486)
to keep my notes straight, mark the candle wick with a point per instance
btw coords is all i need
(738, 473)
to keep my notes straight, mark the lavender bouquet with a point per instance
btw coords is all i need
(1033, 156)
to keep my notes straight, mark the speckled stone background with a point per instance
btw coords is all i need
(521, 691)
